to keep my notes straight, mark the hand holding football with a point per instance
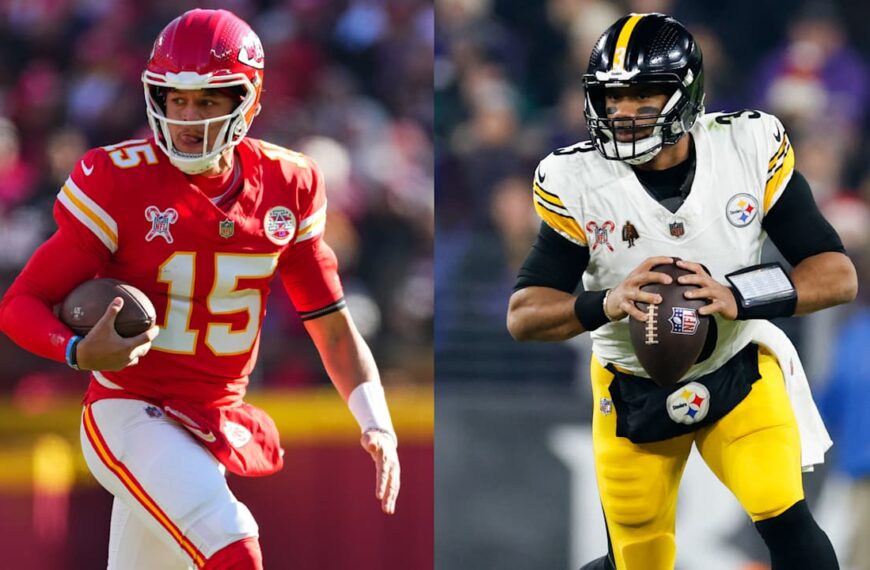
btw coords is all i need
(674, 334)
(87, 303)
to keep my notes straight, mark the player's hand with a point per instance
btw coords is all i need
(104, 349)
(382, 447)
(622, 298)
(721, 298)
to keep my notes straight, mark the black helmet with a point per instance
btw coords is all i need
(644, 49)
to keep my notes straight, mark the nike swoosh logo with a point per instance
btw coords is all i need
(541, 177)
(208, 436)
(87, 170)
(778, 135)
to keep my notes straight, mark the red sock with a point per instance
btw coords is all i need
(241, 555)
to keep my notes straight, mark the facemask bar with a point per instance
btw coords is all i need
(234, 128)
(602, 130)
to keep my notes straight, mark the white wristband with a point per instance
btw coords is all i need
(369, 406)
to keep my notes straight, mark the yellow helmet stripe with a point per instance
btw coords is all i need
(622, 42)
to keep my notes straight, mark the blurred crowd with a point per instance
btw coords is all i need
(348, 82)
(508, 92)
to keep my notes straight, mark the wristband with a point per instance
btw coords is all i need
(71, 356)
(589, 309)
(763, 291)
(369, 406)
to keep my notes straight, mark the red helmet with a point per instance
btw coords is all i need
(204, 49)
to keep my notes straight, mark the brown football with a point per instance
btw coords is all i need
(672, 339)
(87, 303)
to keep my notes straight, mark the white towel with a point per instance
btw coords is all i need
(815, 440)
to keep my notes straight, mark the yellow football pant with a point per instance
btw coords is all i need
(754, 450)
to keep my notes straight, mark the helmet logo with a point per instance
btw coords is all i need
(251, 52)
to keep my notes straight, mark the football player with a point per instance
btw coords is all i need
(674, 182)
(199, 217)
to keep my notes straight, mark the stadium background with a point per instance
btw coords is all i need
(350, 83)
(515, 484)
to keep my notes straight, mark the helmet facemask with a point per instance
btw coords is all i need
(231, 128)
(667, 126)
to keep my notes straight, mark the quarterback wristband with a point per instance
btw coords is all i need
(589, 309)
(368, 405)
(71, 357)
(763, 291)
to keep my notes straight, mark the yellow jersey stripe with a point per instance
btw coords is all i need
(316, 225)
(776, 184)
(548, 196)
(84, 214)
(622, 42)
(779, 153)
(565, 225)
(133, 486)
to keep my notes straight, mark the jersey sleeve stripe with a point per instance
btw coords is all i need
(89, 214)
(564, 224)
(547, 196)
(778, 179)
(555, 209)
(331, 308)
(312, 226)
(783, 148)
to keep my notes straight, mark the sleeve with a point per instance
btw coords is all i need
(84, 203)
(550, 207)
(309, 268)
(797, 227)
(55, 269)
(779, 154)
(553, 262)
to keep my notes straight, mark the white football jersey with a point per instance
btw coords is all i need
(743, 163)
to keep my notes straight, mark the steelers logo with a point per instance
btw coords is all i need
(690, 404)
(741, 210)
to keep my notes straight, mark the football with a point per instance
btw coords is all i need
(673, 337)
(87, 303)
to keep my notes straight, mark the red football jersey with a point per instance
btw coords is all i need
(207, 271)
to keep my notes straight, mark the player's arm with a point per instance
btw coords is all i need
(26, 314)
(310, 275)
(544, 307)
(823, 275)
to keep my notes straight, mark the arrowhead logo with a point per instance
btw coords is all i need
(87, 170)
(778, 135)
(541, 177)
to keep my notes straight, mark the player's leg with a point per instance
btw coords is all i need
(637, 484)
(134, 546)
(170, 483)
(755, 451)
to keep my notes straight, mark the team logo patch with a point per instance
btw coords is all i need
(280, 225)
(601, 234)
(251, 52)
(677, 229)
(690, 404)
(741, 210)
(153, 412)
(237, 434)
(629, 233)
(683, 321)
(227, 229)
(160, 222)
(605, 406)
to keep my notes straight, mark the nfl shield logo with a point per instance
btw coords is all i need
(227, 228)
(683, 320)
(677, 229)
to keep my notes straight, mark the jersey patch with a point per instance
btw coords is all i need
(279, 224)
(689, 404)
(601, 233)
(741, 210)
(161, 223)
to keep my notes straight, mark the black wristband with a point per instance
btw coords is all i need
(768, 292)
(589, 309)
